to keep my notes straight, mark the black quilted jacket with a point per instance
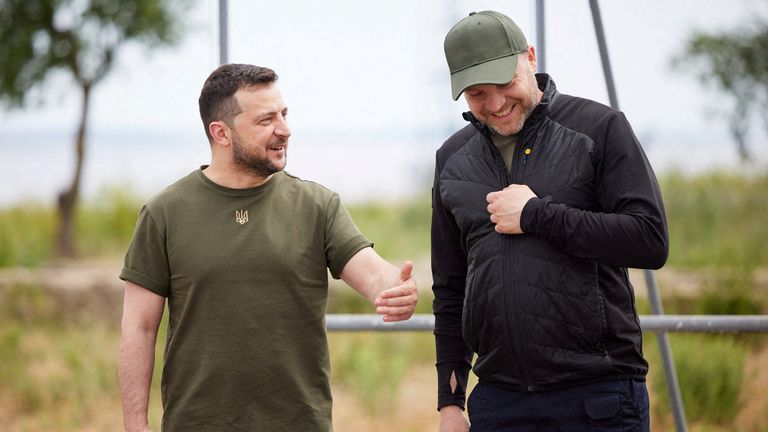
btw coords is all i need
(552, 307)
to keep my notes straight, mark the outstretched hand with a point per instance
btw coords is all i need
(399, 302)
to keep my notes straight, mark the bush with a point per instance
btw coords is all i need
(717, 219)
(710, 374)
(105, 224)
(26, 235)
(398, 230)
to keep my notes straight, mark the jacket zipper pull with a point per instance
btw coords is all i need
(525, 155)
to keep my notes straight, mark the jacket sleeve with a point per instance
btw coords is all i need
(630, 229)
(449, 270)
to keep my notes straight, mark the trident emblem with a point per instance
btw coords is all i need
(241, 216)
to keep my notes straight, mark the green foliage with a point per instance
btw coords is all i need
(717, 220)
(710, 373)
(398, 230)
(731, 292)
(45, 376)
(26, 235)
(58, 367)
(105, 225)
(373, 365)
(736, 63)
(79, 37)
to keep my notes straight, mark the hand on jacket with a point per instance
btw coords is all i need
(506, 206)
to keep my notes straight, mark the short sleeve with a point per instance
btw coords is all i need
(342, 237)
(146, 262)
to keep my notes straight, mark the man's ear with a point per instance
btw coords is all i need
(220, 133)
(532, 57)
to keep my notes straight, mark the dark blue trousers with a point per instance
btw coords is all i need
(620, 405)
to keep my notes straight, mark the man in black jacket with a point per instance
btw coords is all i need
(539, 206)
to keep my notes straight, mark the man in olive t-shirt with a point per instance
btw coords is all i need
(241, 249)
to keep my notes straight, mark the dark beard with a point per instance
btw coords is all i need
(257, 165)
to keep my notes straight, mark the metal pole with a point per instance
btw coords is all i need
(223, 32)
(705, 323)
(673, 387)
(541, 62)
(648, 323)
(601, 44)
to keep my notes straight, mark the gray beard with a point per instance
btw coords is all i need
(526, 114)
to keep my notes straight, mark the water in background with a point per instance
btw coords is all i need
(364, 166)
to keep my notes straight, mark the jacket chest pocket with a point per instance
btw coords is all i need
(570, 181)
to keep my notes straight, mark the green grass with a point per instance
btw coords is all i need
(26, 235)
(358, 362)
(60, 369)
(710, 373)
(717, 220)
(398, 230)
(105, 225)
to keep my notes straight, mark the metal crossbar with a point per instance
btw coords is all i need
(648, 323)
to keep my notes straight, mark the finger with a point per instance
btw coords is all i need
(398, 291)
(406, 270)
(494, 218)
(411, 299)
(394, 318)
(399, 310)
(493, 196)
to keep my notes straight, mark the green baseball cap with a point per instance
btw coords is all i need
(482, 49)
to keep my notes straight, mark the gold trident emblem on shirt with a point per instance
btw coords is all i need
(241, 216)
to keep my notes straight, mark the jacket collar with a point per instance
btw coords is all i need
(547, 86)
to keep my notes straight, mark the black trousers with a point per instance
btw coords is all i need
(620, 405)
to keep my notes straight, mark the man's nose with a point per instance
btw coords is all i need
(282, 128)
(495, 101)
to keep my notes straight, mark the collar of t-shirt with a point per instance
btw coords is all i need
(506, 145)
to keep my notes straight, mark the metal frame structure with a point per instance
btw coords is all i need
(648, 323)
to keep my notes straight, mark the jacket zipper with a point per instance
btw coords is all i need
(507, 242)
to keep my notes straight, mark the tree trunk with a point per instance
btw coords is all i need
(65, 241)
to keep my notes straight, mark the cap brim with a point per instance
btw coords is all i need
(499, 71)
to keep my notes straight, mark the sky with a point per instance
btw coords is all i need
(368, 92)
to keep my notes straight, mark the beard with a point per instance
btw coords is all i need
(527, 105)
(253, 163)
(515, 129)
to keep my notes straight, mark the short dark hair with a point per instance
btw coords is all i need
(217, 98)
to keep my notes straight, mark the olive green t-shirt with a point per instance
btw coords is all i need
(506, 146)
(245, 272)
